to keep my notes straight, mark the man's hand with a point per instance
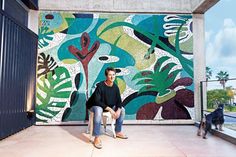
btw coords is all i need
(113, 113)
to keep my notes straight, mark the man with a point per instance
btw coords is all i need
(106, 97)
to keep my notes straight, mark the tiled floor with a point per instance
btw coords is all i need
(144, 141)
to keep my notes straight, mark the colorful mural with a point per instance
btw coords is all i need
(152, 55)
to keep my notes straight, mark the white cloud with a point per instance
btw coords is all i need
(221, 49)
(208, 35)
(229, 23)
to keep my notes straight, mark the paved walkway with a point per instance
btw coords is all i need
(144, 141)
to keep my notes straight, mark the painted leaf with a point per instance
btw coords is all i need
(141, 74)
(159, 62)
(52, 94)
(166, 69)
(147, 88)
(45, 35)
(171, 78)
(144, 81)
(72, 98)
(78, 80)
(66, 113)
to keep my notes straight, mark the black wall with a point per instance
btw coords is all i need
(18, 53)
(32, 4)
(0, 4)
(15, 10)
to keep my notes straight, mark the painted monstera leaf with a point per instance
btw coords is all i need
(53, 93)
(45, 35)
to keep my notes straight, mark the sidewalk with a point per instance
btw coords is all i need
(144, 141)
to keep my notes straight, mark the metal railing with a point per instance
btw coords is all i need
(225, 115)
(206, 86)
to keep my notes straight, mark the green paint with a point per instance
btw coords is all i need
(53, 88)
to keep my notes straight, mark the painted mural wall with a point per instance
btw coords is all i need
(152, 54)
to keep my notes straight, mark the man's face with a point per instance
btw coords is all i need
(111, 75)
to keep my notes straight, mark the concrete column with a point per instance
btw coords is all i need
(199, 61)
(33, 20)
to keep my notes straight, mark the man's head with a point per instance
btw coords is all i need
(110, 74)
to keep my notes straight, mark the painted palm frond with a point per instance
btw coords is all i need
(143, 74)
(160, 80)
(159, 62)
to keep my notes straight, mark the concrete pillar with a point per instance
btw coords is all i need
(198, 61)
(33, 16)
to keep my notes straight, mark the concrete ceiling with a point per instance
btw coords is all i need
(129, 6)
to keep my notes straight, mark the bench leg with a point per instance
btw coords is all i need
(104, 119)
(113, 121)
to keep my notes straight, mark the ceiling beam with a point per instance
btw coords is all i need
(203, 6)
(129, 6)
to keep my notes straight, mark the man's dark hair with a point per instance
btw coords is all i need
(109, 69)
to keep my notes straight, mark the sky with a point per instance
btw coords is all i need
(220, 38)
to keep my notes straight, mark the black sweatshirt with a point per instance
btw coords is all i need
(104, 96)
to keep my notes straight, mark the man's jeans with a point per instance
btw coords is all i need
(97, 110)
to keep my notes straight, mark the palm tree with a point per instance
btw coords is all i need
(223, 77)
(208, 73)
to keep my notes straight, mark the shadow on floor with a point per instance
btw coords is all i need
(79, 133)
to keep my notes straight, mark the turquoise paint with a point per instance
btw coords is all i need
(94, 71)
(125, 59)
(130, 117)
(134, 105)
(78, 109)
(128, 78)
(185, 74)
(63, 52)
(79, 25)
(136, 19)
(52, 23)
